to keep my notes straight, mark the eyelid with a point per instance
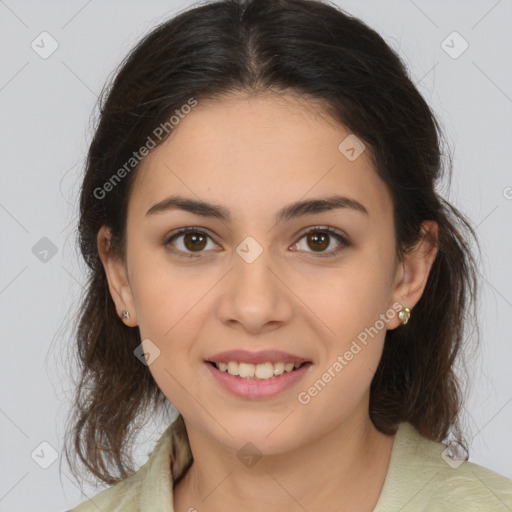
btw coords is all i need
(183, 231)
(342, 238)
(333, 232)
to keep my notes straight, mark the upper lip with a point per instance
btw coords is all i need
(263, 356)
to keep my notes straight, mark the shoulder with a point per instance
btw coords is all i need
(122, 496)
(422, 477)
(470, 487)
(149, 488)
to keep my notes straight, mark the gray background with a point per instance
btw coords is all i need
(46, 107)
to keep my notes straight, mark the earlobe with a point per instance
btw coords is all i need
(117, 278)
(414, 271)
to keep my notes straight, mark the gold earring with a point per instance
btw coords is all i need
(404, 315)
(126, 314)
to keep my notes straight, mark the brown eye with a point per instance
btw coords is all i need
(188, 241)
(318, 240)
(193, 241)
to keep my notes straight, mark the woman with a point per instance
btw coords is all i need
(268, 253)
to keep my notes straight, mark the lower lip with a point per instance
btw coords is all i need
(258, 388)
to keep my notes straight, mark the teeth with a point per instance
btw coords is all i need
(262, 371)
(278, 368)
(244, 370)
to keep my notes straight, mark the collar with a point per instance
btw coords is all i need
(420, 474)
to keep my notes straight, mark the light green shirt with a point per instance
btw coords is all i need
(420, 478)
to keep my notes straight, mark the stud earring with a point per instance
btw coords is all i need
(404, 315)
(126, 314)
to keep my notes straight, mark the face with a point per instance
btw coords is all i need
(314, 284)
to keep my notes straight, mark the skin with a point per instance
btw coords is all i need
(253, 155)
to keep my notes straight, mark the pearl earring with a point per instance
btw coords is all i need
(404, 315)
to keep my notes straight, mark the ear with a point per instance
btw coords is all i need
(413, 271)
(117, 277)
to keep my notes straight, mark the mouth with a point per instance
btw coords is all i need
(261, 371)
(260, 381)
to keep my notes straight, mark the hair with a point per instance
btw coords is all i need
(321, 54)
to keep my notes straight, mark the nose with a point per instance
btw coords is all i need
(255, 297)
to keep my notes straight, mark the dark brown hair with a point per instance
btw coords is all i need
(317, 51)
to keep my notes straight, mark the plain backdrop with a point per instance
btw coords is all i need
(46, 108)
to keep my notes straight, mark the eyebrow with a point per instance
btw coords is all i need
(290, 211)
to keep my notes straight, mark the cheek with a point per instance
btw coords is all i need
(161, 293)
(169, 302)
(352, 297)
(353, 307)
(169, 319)
(355, 311)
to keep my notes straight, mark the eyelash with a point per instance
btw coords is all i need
(316, 229)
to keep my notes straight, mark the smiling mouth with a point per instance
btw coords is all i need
(262, 371)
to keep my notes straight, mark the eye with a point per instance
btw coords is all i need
(194, 240)
(320, 238)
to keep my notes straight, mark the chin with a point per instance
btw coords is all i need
(262, 437)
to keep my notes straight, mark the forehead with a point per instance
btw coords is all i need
(246, 150)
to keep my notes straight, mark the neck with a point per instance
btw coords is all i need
(350, 462)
